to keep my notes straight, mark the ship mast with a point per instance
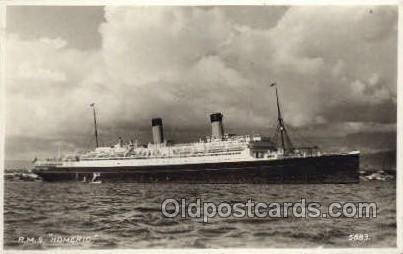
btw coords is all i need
(286, 143)
(92, 105)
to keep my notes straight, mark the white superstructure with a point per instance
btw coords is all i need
(210, 150)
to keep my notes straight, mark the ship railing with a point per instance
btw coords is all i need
(151, 153)
(316, 154)
(48, 163)
(162, 156)
(179, 148)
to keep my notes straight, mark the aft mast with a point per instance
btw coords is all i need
(92, 105)
(286, 143)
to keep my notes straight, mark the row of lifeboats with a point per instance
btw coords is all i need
(165, 152)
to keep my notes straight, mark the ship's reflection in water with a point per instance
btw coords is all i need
(128, 215)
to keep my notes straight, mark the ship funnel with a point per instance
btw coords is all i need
(158, 132)
(217, 129)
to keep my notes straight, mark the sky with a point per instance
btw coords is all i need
(335, 68)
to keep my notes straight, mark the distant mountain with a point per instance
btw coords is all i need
(384, 160)
(19, 165)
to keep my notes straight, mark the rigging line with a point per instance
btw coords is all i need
(301, 141)
(296, 133)
(276, 135)
(88, 136)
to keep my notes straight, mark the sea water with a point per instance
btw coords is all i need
(42, 215)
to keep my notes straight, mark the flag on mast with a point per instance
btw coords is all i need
(273, 84)
(92, 104)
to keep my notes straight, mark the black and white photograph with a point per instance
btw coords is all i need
(131, 127)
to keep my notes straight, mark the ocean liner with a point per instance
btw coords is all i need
(219, 158)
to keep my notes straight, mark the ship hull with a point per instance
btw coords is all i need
(341, 168)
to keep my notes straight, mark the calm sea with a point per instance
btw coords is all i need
(128, 215)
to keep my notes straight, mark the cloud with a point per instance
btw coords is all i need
(43, 89)
(319, 54)
(57, 43)
(29, 72)
(332, 65)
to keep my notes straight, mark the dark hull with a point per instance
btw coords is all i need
(323, 169)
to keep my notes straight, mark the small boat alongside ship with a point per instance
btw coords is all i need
(219, 158)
